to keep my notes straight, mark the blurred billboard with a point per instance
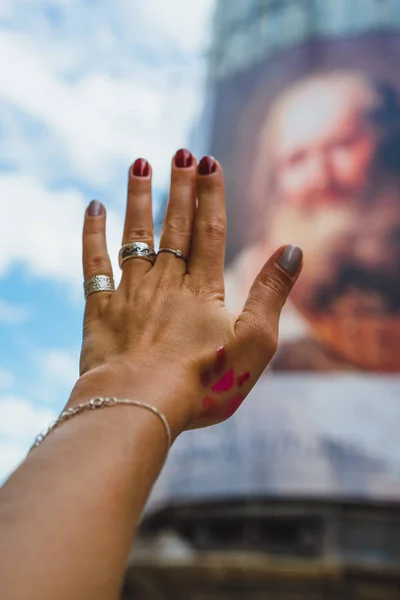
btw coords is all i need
(304, 115)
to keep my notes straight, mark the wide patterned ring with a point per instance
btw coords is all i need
(98, 283)
(136, 250)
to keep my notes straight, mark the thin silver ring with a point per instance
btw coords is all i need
(177, 253)
(98, 283)
(136, 250)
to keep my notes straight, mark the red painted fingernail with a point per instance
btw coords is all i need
(183, 159)
(207, 165)
(141, 168)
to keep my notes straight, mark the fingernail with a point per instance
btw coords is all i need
(207, 165)
(183, 159)
(290, 260)
(141, 168)
(95, 208)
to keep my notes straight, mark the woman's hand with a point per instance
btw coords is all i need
(164, 336)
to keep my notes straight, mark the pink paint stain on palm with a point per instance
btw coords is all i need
(241, 379)
(233, 405)
(226, 382)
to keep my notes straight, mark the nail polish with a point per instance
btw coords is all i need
(207, 165)
(290, 260)
(141, 168)
(183, 159)
(95, 208)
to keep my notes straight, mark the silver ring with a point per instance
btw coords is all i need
(98, 283)
(178, 253)
(136, 250)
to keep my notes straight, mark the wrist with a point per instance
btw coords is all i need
(169, 395)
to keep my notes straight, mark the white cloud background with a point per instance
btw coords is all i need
(85, 88)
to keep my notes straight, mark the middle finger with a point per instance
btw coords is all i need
(138, 219)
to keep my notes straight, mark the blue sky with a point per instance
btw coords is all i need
(85, 88)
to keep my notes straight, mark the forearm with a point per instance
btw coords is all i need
(75, 503)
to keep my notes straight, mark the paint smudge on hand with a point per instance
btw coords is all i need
(222, 409)
(226, 382)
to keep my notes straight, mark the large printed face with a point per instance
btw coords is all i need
(323, 149)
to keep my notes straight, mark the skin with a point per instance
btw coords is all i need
(70, 511)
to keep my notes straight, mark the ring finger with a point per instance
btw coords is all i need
(138, 219)
(178, 224)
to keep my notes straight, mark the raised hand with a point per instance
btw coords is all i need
(165, 332)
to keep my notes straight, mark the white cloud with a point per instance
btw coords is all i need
(45, 232)
(21, 419)
(97, 120)
(56, 371)
(104, 114)
(81, 107)
(11, 455)
(20, 422)
(62, 366)
(11, 314)
(6, 379)
(179, 23)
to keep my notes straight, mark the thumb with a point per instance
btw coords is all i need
(257, 326)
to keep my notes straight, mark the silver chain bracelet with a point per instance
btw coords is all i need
(100, 402)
